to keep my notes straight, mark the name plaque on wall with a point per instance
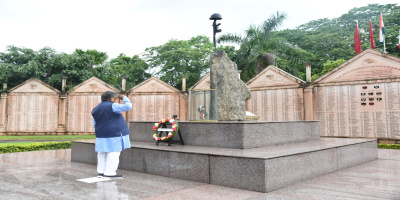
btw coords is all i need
(277, 105)
(368, 110)
(32, 113)
(153, 107)
(79, 112)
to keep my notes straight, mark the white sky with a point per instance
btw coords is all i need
(129, 26)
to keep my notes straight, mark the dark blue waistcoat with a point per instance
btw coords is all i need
(108, 123)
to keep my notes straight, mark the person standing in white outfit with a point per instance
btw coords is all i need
(112, 132)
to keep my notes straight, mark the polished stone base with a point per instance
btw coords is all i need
(262, 169)
(234, 134)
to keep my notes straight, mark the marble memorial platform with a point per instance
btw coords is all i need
(234, 134)
(263, 168)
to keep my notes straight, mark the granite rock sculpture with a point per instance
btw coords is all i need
(232, 92)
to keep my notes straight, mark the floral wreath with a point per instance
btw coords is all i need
(170, 135)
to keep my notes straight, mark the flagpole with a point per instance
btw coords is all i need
(384, 46)
(382, 33)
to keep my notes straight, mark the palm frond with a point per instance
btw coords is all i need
(229, 37)
(273, 22)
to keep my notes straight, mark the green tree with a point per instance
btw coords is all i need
(179, 58)
(259, 48)
(17, 55)
(20, 64)
(328, 66)
(133, 68)
(14, 65)
(332, 39)
(91, 57)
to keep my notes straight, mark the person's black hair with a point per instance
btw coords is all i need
(107, 95)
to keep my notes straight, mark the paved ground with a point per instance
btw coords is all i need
(51, 175)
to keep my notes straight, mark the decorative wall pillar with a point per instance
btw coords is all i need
(184, 83)
(308, 103)
(308, 72)
(3, 111)
(308, 95)
(124, 93)
(123, 83)
(63, 83)
(62, 105)
(183, 107)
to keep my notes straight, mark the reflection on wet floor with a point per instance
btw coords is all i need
(51, 175)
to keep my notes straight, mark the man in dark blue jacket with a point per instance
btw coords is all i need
(112, 132)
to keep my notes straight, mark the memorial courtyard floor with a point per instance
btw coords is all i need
(51, 175)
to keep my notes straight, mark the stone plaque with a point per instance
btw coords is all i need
(153, 107)
(32, 112)
(367, 110)
(277, 105)
(79, 112)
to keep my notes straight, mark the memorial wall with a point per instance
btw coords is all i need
(276, 96)
(79, 112)
(153, 100)
(81, 101)
(153, 107)
(277, 104)
(32, 107)
(360, 98)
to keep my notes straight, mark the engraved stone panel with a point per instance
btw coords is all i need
(79, 112)
(369, 65)
(147, 107)
(33, 86)
(154, 85)
(276, 96)
(364, 110)
(277, 104)
(32, 112)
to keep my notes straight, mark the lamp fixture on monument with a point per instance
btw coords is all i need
(215, 17)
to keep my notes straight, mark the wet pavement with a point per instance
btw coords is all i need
(15, 141)
(51, 175)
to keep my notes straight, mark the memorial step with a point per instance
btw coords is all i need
(261, 169)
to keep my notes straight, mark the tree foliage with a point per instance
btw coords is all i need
(259, 48)
(332, 39)
(178, 58)
(19, 64)
(328, 66)
(132, 68)
(324, 42)
(91, 57)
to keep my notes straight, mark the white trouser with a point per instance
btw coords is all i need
(107, 163)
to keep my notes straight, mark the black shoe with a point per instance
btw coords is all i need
(114, 176)
(100, 175)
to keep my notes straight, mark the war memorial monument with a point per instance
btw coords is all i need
(252, 155)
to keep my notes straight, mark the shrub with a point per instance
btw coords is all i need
(389, 146)
(35, 147)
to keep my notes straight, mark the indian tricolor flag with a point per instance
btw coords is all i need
(382, 31)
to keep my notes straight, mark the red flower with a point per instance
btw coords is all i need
(155, 128)
(159, 138)
(160, 122)
(173, 123)
(173, 129)
(167, 120)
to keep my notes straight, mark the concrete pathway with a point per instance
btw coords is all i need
(51, 175)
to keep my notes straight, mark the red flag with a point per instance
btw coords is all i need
(357, 40)
(371, 36)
